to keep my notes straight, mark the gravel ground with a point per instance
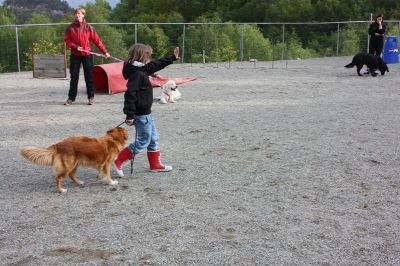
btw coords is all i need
(293, 164)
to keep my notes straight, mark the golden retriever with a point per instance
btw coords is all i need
(67, 155)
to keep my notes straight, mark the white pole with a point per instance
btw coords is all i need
(16, 37)
(370, 21)
(338, 39)
(283, 42)
(183, 43)
(241, 42)
(136, 33)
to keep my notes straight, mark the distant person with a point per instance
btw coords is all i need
(137, 106)
(77, 37)
(377, 32)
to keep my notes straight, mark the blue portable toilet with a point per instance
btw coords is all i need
(391, 50)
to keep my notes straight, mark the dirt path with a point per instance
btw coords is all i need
(272, 166)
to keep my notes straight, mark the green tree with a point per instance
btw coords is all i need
(44, 38)
(192, 9)
(123, 10)
(201, 38)
(242, 11)
(100, 11)
(112, 37)
(173, 32)
(295, 50)
(288, 11)
(7, 39)
(224, 54)
(255, 45)
(350, 43)
(41, 47)
(155, 37)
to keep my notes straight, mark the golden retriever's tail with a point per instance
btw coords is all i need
(42, 156)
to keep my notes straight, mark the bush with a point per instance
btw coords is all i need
(225, 54)
(41, 47)
(350, 42)
(255, 46)
(156, 38)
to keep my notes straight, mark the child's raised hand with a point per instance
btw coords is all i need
(176, 52)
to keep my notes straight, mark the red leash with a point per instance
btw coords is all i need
(101, 55)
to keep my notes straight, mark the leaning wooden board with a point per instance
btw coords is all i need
(49, 66)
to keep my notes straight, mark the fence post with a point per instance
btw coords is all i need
(338, 39)
(136, 26)
(370, 19)
(183, 43)
(241, 42)
(398, 30)
(283, 42)
(17, 43)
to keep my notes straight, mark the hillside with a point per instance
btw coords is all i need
(24, 8)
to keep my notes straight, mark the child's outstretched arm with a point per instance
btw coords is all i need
(159, 64)
(176, 52)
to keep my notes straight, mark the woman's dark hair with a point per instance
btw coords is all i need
(378, 16)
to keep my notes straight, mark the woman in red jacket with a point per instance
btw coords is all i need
(77, 37)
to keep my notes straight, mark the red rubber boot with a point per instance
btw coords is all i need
(123, 156)
(155, 164)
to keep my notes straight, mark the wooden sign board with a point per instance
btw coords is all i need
(49, 66)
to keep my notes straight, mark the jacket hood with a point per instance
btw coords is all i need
(130, 68)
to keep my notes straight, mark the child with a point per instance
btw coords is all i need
(137, 106)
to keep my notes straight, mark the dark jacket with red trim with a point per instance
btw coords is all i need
(80, 34)
(139, 95)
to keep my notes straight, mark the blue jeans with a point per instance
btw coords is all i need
(146, 134)
(74, 67)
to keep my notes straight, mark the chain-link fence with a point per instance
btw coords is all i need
(200, 42)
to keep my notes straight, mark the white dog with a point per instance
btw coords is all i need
(169, 92)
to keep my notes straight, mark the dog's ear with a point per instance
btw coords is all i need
(170, 84)
(118, 133)
(111, 130)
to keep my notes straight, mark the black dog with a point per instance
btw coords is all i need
(373, 62)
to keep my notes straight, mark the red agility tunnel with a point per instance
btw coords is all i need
(108, 79)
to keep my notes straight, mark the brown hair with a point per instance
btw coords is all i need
(379, 16)
(80, 9)
(140, 52)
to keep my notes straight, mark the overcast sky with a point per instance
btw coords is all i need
(76, 3)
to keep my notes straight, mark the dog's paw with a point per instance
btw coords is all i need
(113, 183)
(63, 190)
(80, 183)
